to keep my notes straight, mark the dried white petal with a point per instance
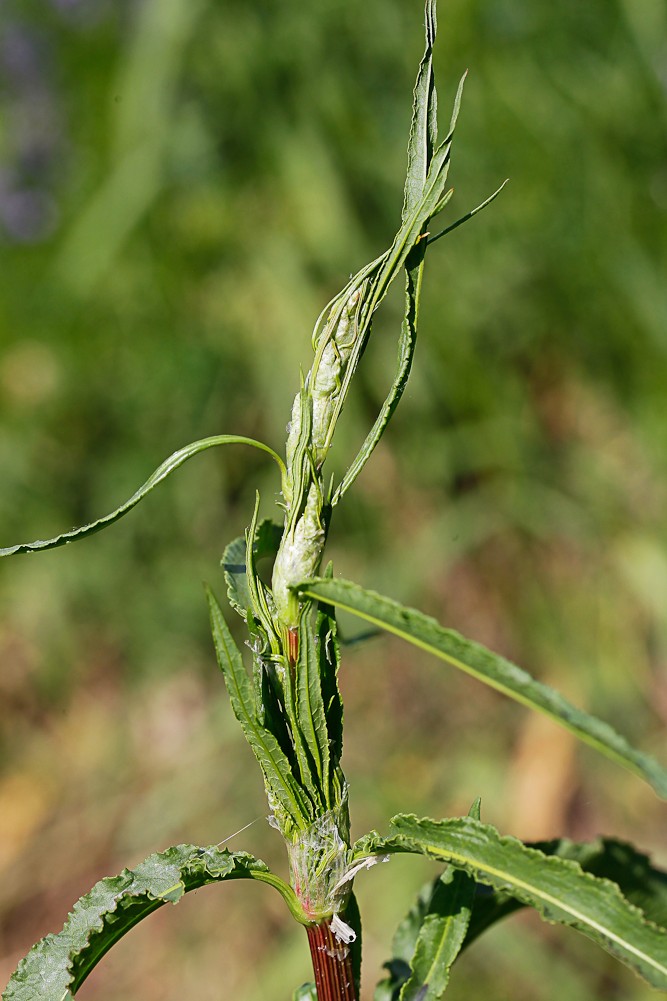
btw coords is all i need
(365, 863)
(342, 931)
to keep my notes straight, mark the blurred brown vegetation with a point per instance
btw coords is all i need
(183, 185)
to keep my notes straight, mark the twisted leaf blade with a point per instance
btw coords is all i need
(55, 967)
(424, 125)
(492, 669)
(160, 474)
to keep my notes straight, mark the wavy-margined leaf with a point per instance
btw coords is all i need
(557, 888)
(55, 967)
(430, 937)
(310, 712)
(160, 474)
(328, 650)
(428, 940)
(493, 670)
(640, 882)
(265, 545)
(286, 795)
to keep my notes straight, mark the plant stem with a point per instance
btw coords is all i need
(332, 964)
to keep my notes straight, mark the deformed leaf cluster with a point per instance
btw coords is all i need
(291, 712)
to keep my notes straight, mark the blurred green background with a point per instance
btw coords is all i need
(183, 185)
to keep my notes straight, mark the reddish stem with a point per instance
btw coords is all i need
(292, 646)
(332, 965)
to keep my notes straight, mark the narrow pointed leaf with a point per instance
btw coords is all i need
(423, 137)
(160, 474)
(557, 888)
(272, 760)
(423, 129)
(308, 765)
(406, 351)
(310, 705)
(328, 649)
(468, 215)
(55, 967)
(493, 670)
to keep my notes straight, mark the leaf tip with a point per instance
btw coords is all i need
(475, 810)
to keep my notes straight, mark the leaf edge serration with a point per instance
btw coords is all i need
(50, 970)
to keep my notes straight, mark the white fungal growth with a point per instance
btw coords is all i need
(325, 382)
(293, 435)
(317, 861)
(299, 557)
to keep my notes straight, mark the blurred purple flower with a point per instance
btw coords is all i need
(26, 216)
(34, 140)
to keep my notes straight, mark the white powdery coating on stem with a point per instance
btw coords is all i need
(293, 435)
(326, 377)
(318, 858)
(299, 556)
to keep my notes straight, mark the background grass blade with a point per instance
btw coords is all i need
(55, 967)
(424, 632)
(160, 474)
(557, 888)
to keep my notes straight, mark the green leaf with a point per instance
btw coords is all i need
(266, 542)
(440, 937)
(287, 798)
(303, 738)
(307, 992)
(430, 937)
(468, 215)
(639, 882)
(160, 474)
(425, 189)
(493, 670)
(406, 350)
(55, 967)
(557, 888)
(424, 125)
(310, 712)
(423, 138)
(328, 650)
